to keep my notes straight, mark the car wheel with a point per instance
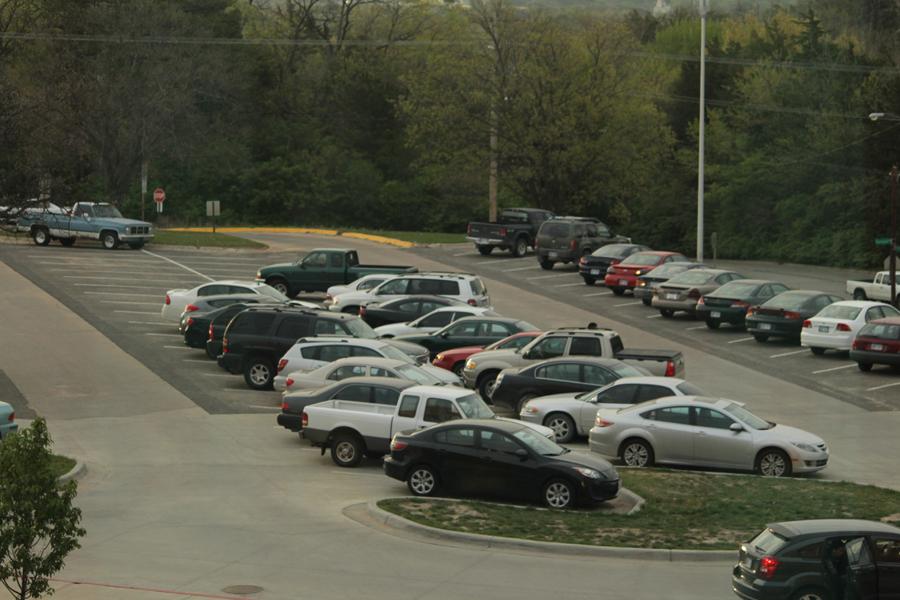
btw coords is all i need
(485, 250)
(135, 245)
(109, 239)
(458, 368)
(636, 453)
(667, 312)
(712, 323)
(562, 425)
(279, 284)
(589, 280)
(521, 403)
(864, 366)
(347, 450)
(816, 350)
(259, 373)
(422, 481)
(520, 248)
(773, 462)
(547, 264)
(41, 236)
(859, 295)
(485, 383)
(761, 337)
(67, 242)
(617, 291)
(811, 594)
(558, 493)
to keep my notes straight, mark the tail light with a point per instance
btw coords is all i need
(843, 327)
(701, 301)
(752, 311)
(472, 302)
(859, 345)
(740, 304)
(807, 324)
(11, 417)
(767, 567)
(573, 245)
(583, 260)
(362, 311)
(670, 368)
(503, 232)
(304, 420)
(224, 345)
(289, 382)
(282, 364)
(397, 445)
(209, 334)
(168, 300)
(789, 314)
(601, 422)
(191, 308)
(189, 322)
(694, 294)
(284, 405)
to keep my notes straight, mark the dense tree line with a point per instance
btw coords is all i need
(378, 113)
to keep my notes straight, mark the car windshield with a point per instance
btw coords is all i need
(747, 417)
(623, 370)
(881, 331)
(669, 270)
(392, 352)
(473, 407)
(837, 311)
(106, 211)
(360, 329)
(513, 216)
(416, 374)
(737, 289)
(693, 277)
(789, 300)
(555, 229)
(538, 443)
(612, 251)
(271, 292)
(642, 259)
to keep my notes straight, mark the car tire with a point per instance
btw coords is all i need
(817, 350)
(135, 245)
(558, 493)
(279, 284)
(109, 239)
(422, 481)
(636, 452)
(772, 462)
(485, 381)
(811, 594)
(667, 312)
(41, 236)
(520, 248)
(617, 291)
(713, 324)
(485, 250)
(589, 280)
(761, 337)
(259, 373)
(521, 403)
(859, 295)
(563, 427)
(67, 242)
(547, 265)
(864, 366)
(347, 450)
(458, 368)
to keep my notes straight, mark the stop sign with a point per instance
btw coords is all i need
(159, 195)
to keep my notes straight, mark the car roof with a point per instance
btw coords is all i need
(712, 271)
(331, 250)
(653, 252)
(792, 529)
(649, 380)
(234, 281)
(601, 331)
(441, 391)
(886, 321)
(804, 293)
(391, 382)
(490, 318)
(426, 297)
(375, 361)
(704, 401)
(592, 360)
(301, 310)
(237, 296)
(475, 310)
(860, 303)
(325, 339)
(507, 425)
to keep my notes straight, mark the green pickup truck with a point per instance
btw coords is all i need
(321, 269)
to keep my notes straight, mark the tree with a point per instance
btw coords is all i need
(38, 523)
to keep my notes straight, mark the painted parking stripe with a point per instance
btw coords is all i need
(789, 353)
(138, 312)
(881, 387)
(570, 285)
(738, 341)
(834, 369)
(162, 334)
(138, 294)
(149, 323)
(654, 316)
(598, 294)
(186, 268)
(115, 271)
(548, 276)
(465, 254)
(628, 304)
(199, 360)
(118, 285)
(177, 277)
(696, 328)
(216, 374)
(179, 348)
(531, 268)
(130, 302)
(267, 408)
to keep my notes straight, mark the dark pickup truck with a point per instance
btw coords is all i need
(321, 269)
(514, 230)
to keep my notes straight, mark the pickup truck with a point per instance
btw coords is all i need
(514, 230)
(354, 429)
(85, 220)
(321, 269)
(482, 368)
(878, 289)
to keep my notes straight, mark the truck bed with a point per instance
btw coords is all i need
(655, 361)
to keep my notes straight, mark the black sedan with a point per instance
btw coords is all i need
(646, 284)
(593, 266)
(498, 458)
(196, 326)
(372, 390)
(783, 315)
(514, 387)
(403, 310)
(469, 331)
(730, 303)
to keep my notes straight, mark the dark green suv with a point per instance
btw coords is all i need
(567, 239)
(825, 559)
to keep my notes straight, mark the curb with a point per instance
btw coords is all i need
(398, 523)
(380, 239)
(76, 472)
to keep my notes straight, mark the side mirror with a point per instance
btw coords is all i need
(528, 355)
(522, 453)
(736, 427)
(445, 334)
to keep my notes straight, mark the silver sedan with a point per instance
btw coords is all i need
(708, 432)
(573, 414)
(361, 366)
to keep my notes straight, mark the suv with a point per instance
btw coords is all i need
(461, 286)
(567, 239)
(313, 352)
(819, 560)
(258, 337)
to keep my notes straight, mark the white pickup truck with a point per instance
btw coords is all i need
(878, 289)
(354, 429)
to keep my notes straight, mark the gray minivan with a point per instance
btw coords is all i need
(567, 239)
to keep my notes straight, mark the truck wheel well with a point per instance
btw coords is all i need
(348, 431)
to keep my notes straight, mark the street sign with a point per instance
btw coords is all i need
(159, 196)
(213, 208)
(883, 241)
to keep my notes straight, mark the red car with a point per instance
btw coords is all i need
(624, 275)
(455, 359)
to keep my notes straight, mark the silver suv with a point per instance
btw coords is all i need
(465, 287)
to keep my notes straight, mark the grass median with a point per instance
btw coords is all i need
(416, 237)
(203, 239)
(701, 511)
(60, 465)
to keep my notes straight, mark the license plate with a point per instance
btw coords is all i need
(765, 326)
(623, 282)
(554, 255)
(823, 328)
(876, 347)
(715, 314)
(671, 296)
(595, 271)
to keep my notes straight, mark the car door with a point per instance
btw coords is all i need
(617, 396)
(335, 272)
(887, 560)
(862, 574)
(353, 392)
(406, 418)
(456, 335)
(391, 289)
(488, 333)
(558, 378)
(82, 222)
(504, 472)
(289, 330)
(716, 445)
(434, 321)
(309, 272)
(459, 464)
(671, 433)
(549, 347)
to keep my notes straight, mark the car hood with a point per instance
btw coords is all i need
(396, 329)
(556, 400)
(788, 434)
(414, 350)
(510, 357)
(544, 431)
(123, 222)
(464, 351)
(276, 267)
(578, 459)
(443, 374)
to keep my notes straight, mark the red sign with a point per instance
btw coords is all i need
(159, 195)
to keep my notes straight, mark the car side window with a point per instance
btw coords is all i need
(809, 551)
(311, 352)
(873, 313)
(334, 352)
(347, 371)
(456, 437)
(437, 319)
(327, 327)
(409, 306)
(238, 289)
(212, 290)
(707, 417)
(379, 372)
(336, 261)
(620, 394)
(858, 552)
(463, 329)
(887, 550)
(439, 410)
(603, 230)
(592, 231)
(393, 287)
(316, 260)
(652, 392)
(385, 396)
(765, 291)
(497, 442)
(494, 330)
(408, 406)
(428, 306)
(355, 393)
(562, 371)
(368, 284)
(549, 347)
(596, 375)
(292, 328)
(585, 346)
(255, 323)
(423, 286)
(360, 351)
(516, 342)
(674, 414)
(723, 278)
(779, 288)
(448, 288)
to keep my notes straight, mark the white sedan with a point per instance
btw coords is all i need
(177, 300)
(367, 282)
(436, 319)
(835, 326)
(358, 366)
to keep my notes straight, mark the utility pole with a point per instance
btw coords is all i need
(492, 180)
(702, 149)
(895, 174)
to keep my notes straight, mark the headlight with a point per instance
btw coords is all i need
(530, 410)
(589, 473)
(336, 301)
(439, 357)
(638, 272)
(642, 284)
(470, 365)
(804, 446)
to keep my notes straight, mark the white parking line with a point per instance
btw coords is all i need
(120, 302)
(881, 387)
(265, 407)
(160, 256)
(607, 293)
(531, 268)
(115, 271)
(162, 334)
(788, 353)
(547, 276)
(216, 374)
(834, 369)
(696, 328)
(140, 295)
(148, 322)
(465, 254)
(116, 285)
(628, 304)
(138, 312)
(570, 284)
(738, 341)
(654, 317)
(178, 278)
(199, 360)
(180, 348)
